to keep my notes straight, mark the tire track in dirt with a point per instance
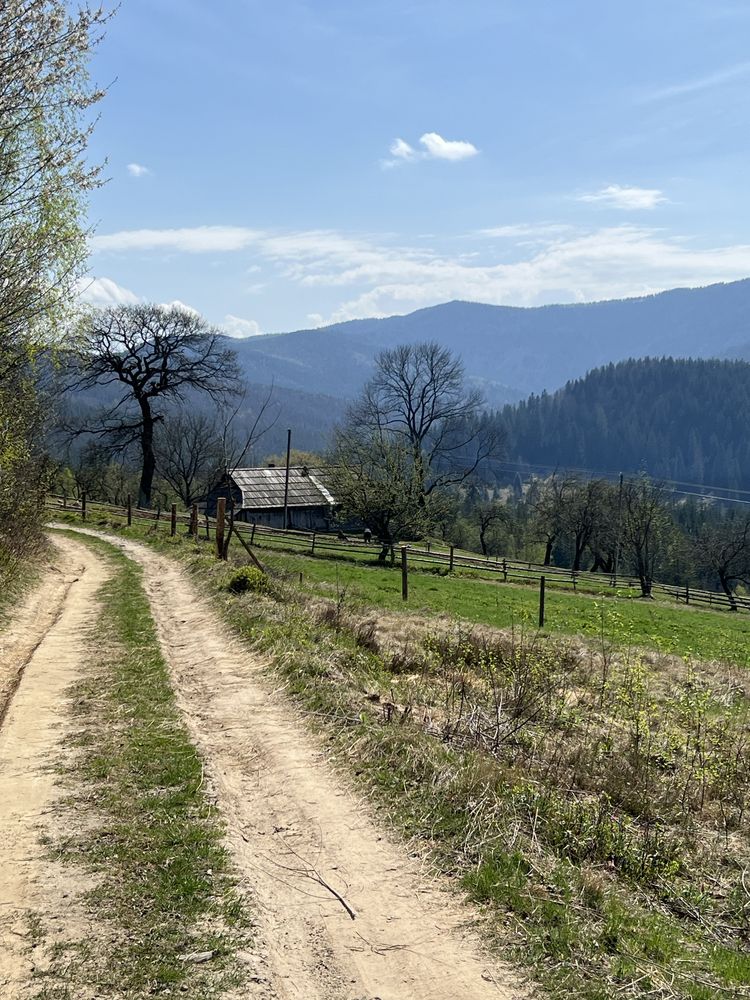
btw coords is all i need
(302, 842)
(41, 655)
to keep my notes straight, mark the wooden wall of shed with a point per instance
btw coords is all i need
(223, 489)
(303, 518)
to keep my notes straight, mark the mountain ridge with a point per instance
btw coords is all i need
(511, 351)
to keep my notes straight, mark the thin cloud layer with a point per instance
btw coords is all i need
(371, 276)
(199, 239)
(620, 196)
(434, 147)
(699, 84)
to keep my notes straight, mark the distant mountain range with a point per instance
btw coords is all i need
(510, 352)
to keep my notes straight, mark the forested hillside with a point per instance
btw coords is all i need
(675, 419)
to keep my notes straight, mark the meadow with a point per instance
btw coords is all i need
(586, 786)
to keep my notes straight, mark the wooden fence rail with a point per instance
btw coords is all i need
(334, 545)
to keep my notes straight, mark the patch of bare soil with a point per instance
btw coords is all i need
(343, 913)
(41, 656)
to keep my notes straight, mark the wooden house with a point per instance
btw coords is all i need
(258, 497)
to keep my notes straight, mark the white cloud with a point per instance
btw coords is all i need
(369, 275)
(138, 170)
(199, 239)
(402, 150)
(615, 262)
(439, 148)
(235, 326)
(176, 304)
(435, 147)
(621, 196)
(104, 292)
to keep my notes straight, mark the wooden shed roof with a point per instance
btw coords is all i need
(264, 488)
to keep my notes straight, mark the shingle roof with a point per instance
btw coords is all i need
(265, 488)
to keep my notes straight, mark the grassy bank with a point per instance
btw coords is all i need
(164, 889)
(18, 576)
(592, 800)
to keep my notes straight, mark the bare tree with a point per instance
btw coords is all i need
(418, 396)
(488, 514)
(244, 425)
(645, 527)
(158, 355)
(583, 511)
(413, 433)
(549, 500)
(723, 548)
(189, 453)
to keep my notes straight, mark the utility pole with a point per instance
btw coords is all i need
(286, 478)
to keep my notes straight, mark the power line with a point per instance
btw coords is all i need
(531, 467)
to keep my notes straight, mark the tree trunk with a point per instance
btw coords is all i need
(148, 467)
(646, 583)
(579, 550)
(548, 551)
(482, 541)
(726, 587)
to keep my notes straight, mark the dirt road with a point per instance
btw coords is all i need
(41, 655)
(343, 913)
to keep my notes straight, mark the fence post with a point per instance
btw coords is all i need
(312, 545)
(194, 521)
(83, 505)
(450, 566)
(404, 575)
(65, 499)
(505, 571)
(687, 594)
(252, 534)
(130, 510)
(173, 522)
(541, 602)
(208, 527)
(221, 510)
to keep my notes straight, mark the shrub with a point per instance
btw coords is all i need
(248, 578)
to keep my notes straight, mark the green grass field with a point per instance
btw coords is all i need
(620, 618)
(666, 628)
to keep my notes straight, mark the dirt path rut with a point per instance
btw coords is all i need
(310, 855)
(41, 655)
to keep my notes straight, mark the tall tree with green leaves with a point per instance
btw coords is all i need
(45, 123)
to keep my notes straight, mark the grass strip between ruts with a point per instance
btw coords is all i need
(165, 891)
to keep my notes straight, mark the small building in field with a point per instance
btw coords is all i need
(257, 495)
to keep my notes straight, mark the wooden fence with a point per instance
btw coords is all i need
(447, 560)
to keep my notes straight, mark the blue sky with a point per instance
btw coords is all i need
(278, 165)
